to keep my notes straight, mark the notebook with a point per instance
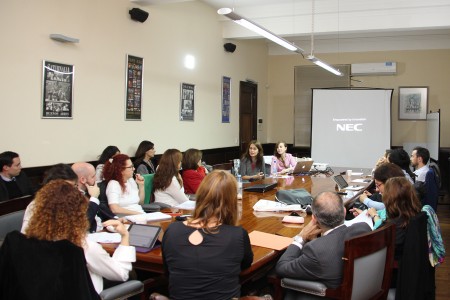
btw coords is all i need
(303, 166)
(261, 188)
(143, 237)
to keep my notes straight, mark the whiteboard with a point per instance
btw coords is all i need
(433, 133)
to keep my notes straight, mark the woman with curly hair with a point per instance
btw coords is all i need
(107, 153)
(210, 243)
(168, 184)
(252, 162)
(60, 214)
(124, 193)
(143, 158)
(193, 171)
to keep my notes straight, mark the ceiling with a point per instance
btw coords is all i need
(340, 25)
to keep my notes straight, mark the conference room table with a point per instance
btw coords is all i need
(268, 222)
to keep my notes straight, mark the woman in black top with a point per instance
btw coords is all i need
(204, 255)
(143, 158)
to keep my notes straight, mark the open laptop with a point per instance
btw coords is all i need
(303, 166)
(143, 237)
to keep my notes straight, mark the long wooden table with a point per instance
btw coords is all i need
(270, 222)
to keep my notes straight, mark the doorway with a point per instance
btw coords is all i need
(248, 111)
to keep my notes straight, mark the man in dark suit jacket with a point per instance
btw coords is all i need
(320, 259)
(13, 182)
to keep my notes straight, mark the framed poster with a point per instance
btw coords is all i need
(57, 90)
(412, 102)
(134, 81)
(187, 96)
(226, 92)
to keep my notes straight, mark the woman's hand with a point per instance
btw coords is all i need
(140, 180)
(372, 212)
(355, 211)
(118, 226)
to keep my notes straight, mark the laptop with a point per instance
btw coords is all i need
(143, 237)
(303, 166)
(261, 188)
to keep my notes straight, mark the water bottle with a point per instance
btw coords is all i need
(239, 186)
(274, 168)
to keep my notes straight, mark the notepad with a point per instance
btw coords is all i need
(149, 217)
(268, 240)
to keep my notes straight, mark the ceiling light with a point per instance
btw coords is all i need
(324, 65)
(228, 12)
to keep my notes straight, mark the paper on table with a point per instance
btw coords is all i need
(270, 205)
(357, 173)
(104, 237)
(154, 216)
(188, 205)
(268, 240)
(354, 187)
(361, 180)
(362, 217)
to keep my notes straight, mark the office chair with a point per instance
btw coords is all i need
(10, 222)
(149, 204)
(368, 261)
(32, 268)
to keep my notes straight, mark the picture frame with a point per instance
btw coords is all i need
(57, 90)
(187, 101)
(412, 103)
(226, 93)
(134, 87)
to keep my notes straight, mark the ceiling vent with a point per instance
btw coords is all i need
(368, 69)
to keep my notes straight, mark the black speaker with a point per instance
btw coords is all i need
(138, 14)
(229, 47)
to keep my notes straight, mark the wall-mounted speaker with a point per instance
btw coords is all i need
(138, 14)
(229, 47)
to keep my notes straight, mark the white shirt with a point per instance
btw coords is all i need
(100, 264)
(172, 195)
(128, 199)
(421, 173)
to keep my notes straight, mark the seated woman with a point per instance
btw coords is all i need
(193, 171)
(209, 243)
(282, 161)
(109, 152)
(123, 192)
(380, 175)
(252, 162)
(60, 214)
(401, 158)
(168, 184)
(143, 158)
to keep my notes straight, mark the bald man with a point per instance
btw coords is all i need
(311, 257)
(87, 185)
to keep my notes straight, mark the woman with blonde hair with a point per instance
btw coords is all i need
(209, 243)
(60, 214)
(168, 184)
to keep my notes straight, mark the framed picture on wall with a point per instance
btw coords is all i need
(412, 102)
(187, 95)
(226, 92)
(57, 90)
(134, 82)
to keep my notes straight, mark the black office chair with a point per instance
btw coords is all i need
(31, 269)
(10, 222)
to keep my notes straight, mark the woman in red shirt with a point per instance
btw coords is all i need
(193, 171)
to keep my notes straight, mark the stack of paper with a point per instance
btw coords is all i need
(188, 205)
(149, 217)
(269, 205)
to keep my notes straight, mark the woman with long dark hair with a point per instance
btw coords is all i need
(143, 158)
(107, 153)
(252, 162)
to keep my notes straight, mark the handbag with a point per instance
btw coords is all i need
(294, 196)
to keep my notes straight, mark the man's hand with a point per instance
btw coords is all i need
(310, 231)
(93, 191)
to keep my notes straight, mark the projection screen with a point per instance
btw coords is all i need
(350, 127)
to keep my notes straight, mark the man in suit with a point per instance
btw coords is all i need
(13, 182)
(320, 258)
(419, 160)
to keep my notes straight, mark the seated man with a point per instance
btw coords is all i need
(13, 182)
(320, 258)
(419, 160)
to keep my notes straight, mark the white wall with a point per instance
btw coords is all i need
(106, 35)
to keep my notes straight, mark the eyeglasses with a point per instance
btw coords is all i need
(130, 167)
(377, 185)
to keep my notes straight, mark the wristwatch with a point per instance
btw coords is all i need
(299, 240)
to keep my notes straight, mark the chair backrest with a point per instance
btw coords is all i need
(15, 204)
(10, 222)
(31, 268)
(224, 166)
(148, 186)
(368, 262)
(431, 189)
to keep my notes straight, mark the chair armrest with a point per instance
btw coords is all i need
(123, 290)
(305, 286)
(151, 207)
(162, 205)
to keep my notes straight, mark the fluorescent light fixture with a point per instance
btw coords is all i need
(327, 67)
(189, 61)
(228, 12)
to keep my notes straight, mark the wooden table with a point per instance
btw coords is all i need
(270, 222)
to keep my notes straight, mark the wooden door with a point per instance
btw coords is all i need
(248, 111)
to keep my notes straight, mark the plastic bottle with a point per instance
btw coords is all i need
(274, 168)
(239, 186)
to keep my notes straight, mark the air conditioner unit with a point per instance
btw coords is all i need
(383, 68)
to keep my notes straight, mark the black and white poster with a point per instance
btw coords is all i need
(57, 90)
(134, 80)
(187, 102)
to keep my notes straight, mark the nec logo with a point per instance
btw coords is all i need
(349, 127)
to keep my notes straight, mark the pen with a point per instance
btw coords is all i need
(342, 193)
